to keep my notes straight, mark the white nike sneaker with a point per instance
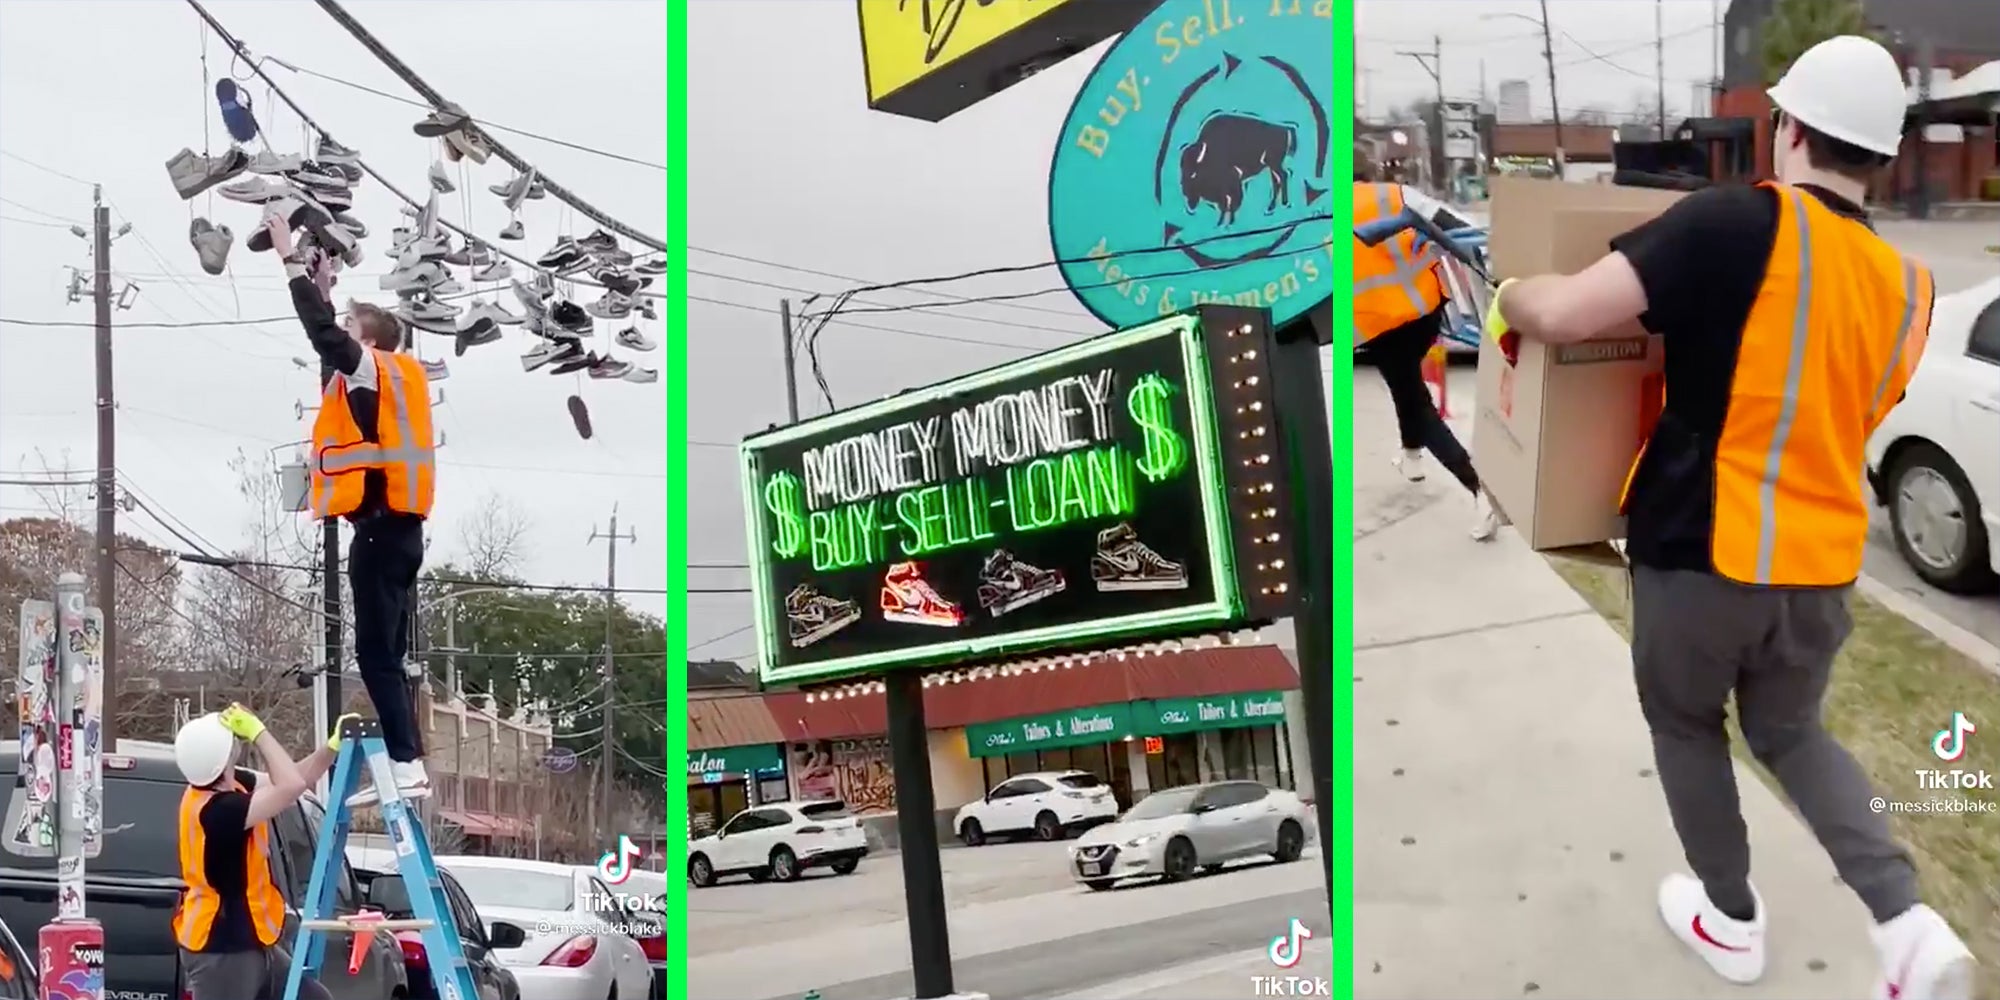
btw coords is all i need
(1922, 958)
(1411, 464)
(412, 781)
(1733, 948)
(1485, 518)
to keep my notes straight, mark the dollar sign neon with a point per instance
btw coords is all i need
(1165, 452)
(786, 504)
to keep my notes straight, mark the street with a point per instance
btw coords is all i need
(1021, 929)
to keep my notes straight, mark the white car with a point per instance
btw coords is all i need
(577, 947)
(780, 842)
(1047, 804)
(1176, 832)
(1935, 461)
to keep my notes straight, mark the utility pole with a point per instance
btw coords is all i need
(1433, 63)
(1555, 105)
(791, 361)
(107, 465)
(609, 764)
(1660, 63)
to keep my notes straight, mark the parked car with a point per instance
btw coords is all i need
(652, 924)
(1176, 832)
(574, 948)
(135, 883)
(1933, 461)
(19, 978)
(387, 892)
(1049, 805)
(780, 842)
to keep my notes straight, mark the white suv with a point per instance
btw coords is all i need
(1935, 462)
(779, 842)
(1048, 804)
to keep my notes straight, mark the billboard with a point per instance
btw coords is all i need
(1061, 501)
(1195, 163)
(929, 59)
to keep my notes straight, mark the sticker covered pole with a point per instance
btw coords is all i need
(72, 946)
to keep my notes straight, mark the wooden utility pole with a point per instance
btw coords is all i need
(107, 464)
(607, 830)
(1555, 104)
(1660, 63)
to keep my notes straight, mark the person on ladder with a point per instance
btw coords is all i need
(1398, 316)
(374, 464)
(231, 913)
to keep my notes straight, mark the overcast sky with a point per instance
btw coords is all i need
(1604, 50)
(107, 91)
(788, 165)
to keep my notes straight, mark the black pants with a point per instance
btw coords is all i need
(1399, 356)
(382, 568)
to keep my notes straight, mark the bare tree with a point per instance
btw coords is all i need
(494, 538)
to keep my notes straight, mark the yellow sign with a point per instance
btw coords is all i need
(904, 41)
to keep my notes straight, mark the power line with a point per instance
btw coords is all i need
(938, 305)
(850, 278)
(47, 170)
(41, 212)
(732, 633)
(224, 562)
(483, 123)
(865, 326)
(416, 83)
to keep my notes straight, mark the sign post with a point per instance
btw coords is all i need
(57, 810)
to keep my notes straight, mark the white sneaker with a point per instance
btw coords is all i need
(412, 782)
(499, 270)
(514, 231)
(1733, 948)
(1922, 958)
(1485, 519)
(1411, 464)
(211, 243)
(441, 181)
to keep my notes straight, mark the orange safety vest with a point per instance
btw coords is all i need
(200, 903)
(402, 449)
(1834, 335)
(1393, 283)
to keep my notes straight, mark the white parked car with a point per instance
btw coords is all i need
(576, 947)
(780, 842)
(1176, 832)
(1935, 461)
(1048, 804)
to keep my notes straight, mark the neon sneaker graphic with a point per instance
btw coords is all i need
(1123, 562)
(814, 616)
(908, 598)
(1006, 583)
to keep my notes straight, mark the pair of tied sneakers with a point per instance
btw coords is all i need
(524, 187)
(211, 242)
(193, 173)
(1922, 957)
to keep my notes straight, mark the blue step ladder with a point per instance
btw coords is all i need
(361, 747)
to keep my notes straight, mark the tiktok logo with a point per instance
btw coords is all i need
(616, 864)
(1949, 743)
(1285, 951)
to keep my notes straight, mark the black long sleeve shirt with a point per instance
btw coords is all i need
(342, 353)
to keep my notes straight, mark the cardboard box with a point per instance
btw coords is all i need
(1557, 431)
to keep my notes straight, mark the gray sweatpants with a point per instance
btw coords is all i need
(1696, 638)
(242, 975)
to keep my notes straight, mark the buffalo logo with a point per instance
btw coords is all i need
(1195, 164)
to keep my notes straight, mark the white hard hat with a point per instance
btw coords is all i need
(203, 749)
(1847, 88)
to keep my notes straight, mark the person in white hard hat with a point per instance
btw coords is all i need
(231, 913)
(1791, 329)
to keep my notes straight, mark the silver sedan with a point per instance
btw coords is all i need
(1174, 833)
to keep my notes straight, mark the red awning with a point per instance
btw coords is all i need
(505, 826)
(1186, 674)
(474, 824)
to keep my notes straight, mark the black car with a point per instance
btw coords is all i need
(133, 886)
(387, 892)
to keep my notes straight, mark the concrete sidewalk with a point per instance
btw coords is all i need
(1509, 832)
(1223, 977)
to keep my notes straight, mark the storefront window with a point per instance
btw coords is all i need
(1252, 755)
(1177, 763)
(1056, 759)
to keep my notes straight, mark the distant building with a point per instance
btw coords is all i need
(1513, 108)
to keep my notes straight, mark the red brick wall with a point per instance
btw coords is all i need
(1955, 170)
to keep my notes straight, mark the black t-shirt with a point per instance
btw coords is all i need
(1702, 263)
(226, 861)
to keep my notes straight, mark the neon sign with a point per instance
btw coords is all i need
(1075, 494)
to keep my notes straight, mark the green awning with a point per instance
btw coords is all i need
(1076, 727)
(1165, 716)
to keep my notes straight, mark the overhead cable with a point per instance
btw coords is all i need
(397, 66)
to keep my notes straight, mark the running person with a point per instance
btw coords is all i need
(1791, 329)
(1399, 314)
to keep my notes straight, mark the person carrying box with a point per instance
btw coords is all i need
(1791, 329)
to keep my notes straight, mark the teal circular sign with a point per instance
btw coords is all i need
(1195, 164)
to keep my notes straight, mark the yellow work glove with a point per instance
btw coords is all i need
(242, 722)
(1496, 326)
(333, 740)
